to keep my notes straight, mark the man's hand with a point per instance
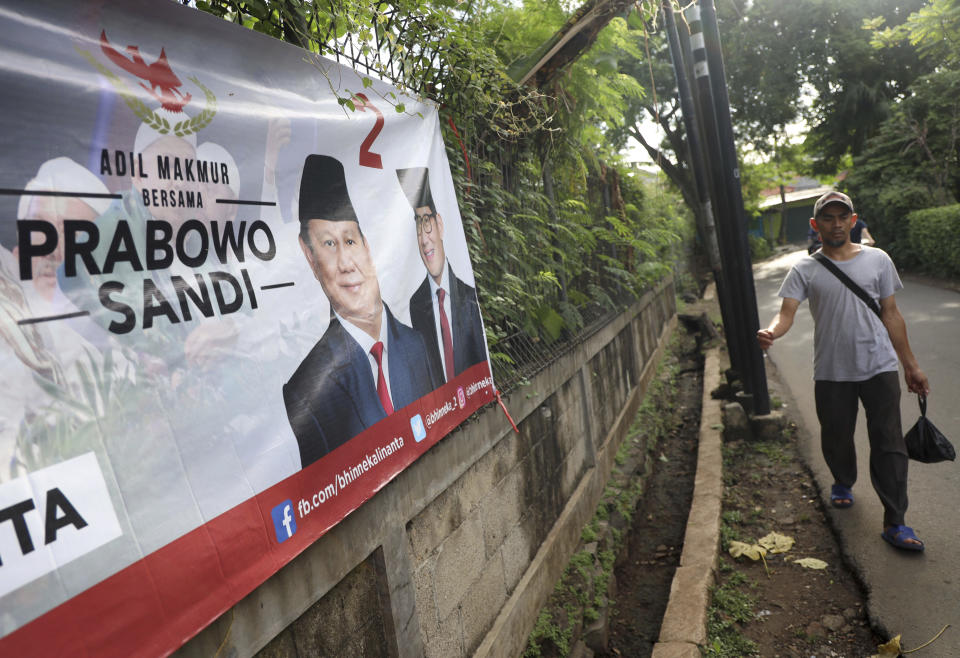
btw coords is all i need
(765, 338)
(916, 380)
(780, 325)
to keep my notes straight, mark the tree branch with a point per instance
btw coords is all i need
(673, 171)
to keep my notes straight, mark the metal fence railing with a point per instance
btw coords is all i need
(519, 356)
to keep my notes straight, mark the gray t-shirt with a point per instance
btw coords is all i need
(850, 343)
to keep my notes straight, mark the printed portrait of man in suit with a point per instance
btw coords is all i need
(367, 364)
(443, 309)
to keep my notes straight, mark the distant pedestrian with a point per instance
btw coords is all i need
(860, 234)
(855, 354)
(813, 240)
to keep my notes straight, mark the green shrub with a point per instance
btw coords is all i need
(933, 235)
(759, 248)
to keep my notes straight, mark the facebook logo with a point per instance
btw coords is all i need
(283, 522)
(419, 431)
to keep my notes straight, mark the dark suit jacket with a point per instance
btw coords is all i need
(332, 396)
(465, 326)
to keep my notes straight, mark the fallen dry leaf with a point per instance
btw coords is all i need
(893, 648)
(811, 563)
(777, 543)
(889, 649)
(752, 551)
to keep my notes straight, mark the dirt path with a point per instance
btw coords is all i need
(792, 610)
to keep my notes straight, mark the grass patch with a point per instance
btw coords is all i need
(733, 516)
(731, 604)
(772, 451)
(589, 534)
(548, 635)
(729, 607)
(728, 528)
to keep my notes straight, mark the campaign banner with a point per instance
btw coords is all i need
(231, 310)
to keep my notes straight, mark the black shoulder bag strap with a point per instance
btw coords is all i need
(848, 282)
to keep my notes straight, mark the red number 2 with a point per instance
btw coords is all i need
(367, 157)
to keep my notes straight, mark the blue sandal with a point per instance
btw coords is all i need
(897, 536)
(840, 496)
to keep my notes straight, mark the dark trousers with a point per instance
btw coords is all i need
(837, 411)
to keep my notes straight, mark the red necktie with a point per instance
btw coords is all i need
(447, 338)
(382, 392)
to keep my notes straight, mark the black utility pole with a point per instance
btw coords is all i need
(721, 202)
(733, 219)
(708, 229)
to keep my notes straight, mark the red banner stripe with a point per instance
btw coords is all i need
(158, 603)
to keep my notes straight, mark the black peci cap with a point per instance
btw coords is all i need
(323, 191)
(415, 183)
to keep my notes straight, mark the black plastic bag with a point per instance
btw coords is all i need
(925, 443)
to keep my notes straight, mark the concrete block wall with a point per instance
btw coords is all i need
(458, 553)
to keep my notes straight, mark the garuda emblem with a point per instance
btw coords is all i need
(159, 80)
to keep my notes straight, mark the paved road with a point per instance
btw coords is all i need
(912, 594)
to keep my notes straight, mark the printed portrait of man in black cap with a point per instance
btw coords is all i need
(367, 364)
(443, 309)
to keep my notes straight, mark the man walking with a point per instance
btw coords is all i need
(856, 349)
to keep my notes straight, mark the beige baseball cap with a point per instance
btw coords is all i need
(832, 197)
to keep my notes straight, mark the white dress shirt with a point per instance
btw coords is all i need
(434, 286)
(367, 342)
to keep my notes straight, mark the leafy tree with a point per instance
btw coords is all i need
(811, 60)
(661, 105)
(765, 48)
(933, 29)
(856, 91)
(597, 245)
(913, 162)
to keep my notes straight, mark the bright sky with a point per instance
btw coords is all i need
(654, 134)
